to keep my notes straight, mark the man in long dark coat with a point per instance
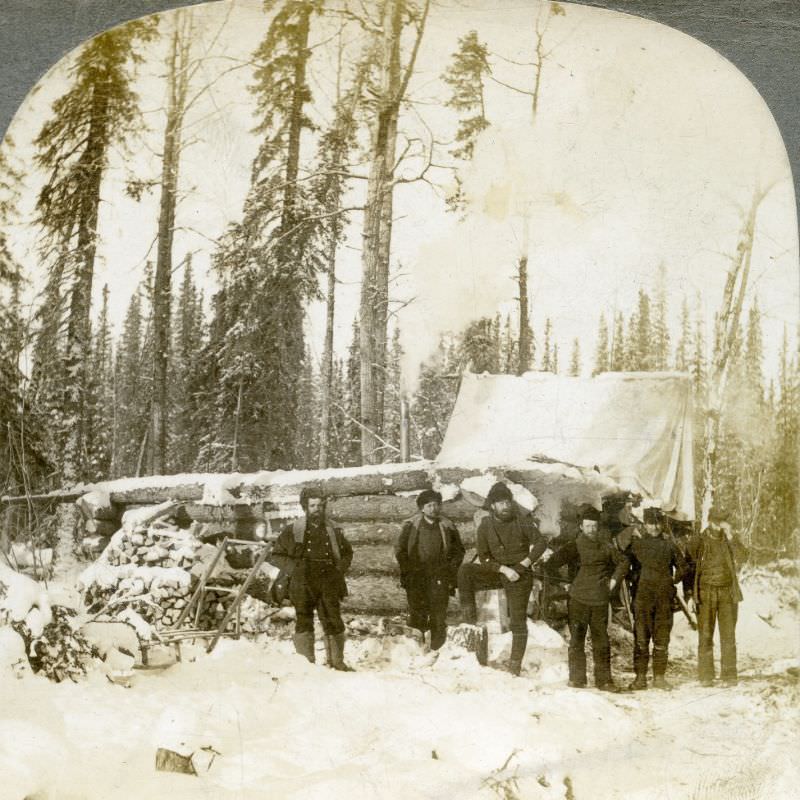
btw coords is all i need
(601, 568)
(508, 544)
(317, 556)
(429, 552)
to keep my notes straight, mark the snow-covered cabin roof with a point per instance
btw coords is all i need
(635, 427)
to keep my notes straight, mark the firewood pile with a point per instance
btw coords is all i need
(152, 566)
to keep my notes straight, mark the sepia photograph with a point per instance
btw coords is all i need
(400, 399)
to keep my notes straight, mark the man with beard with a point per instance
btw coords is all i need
(429, 552)
(588, 599)
(661, 565)
(317, 556)
(508, 544)
(714, 586)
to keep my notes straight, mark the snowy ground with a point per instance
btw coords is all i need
(402, 727)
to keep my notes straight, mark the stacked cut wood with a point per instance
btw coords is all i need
(369, 503)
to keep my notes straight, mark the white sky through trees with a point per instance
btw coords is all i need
(647, 148)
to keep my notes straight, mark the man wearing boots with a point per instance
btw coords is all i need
(588, 599)
(661, 565)
(429, 552)
(714, 587)
(317, 556)
(508, 544)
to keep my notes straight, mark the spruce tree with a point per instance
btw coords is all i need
(617, 357)
(392, 400)
(98, 112)
(575, 359)
(683, 348)
(100, 398)
(547, 353)
(352, 441)
(659, 335)
(602, 356)
(465, 76)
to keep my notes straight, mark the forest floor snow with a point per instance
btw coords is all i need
(406, 726)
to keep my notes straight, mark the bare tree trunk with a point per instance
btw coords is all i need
(79, 330)
(524, 355)
(177, 88)
(727, 324)
(377, 232)
(327, 355)
(236, 427)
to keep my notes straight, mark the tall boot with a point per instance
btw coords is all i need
(335, 645)
(519, 641)
(304, 645)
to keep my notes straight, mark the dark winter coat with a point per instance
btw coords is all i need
(503, 543)
(660, 563)
(410, 560)
(289, 550)
(598, 560)
(697, 554)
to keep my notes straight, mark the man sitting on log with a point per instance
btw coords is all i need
(429, 552)
(317, 556)
(508, 544)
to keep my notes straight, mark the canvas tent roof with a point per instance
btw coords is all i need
(635, 427)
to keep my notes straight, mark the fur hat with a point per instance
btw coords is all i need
(309, 492)
(590, 513)
(498, 492)
(652, 516)
(428, 496)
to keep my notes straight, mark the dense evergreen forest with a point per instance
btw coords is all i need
(220, 375)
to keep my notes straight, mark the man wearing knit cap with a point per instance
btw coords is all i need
(508, 544)
(661, 565)
(317, 556)
(588, 599)
(429, 552)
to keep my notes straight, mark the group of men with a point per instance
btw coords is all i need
(643, 559)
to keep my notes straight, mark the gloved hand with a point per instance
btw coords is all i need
(509, 573)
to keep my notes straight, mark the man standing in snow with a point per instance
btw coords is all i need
(508, 544)
(316, 556)
(661, 565)
(588, 599)
(429, 552)
(714, 586)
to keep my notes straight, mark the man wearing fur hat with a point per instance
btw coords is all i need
(508, 544)
(317, 556)
(429, 552)
(660, 565)
(601, 568)
(714, 587)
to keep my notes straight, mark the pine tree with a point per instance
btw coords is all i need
(465, 77)
(699, 360)
(131, 398)
(479, 348)
(659, 335)
(642, 355)
(335, 149)
(388, 88)
(547, 354)
(433, 402)
(617, 357)
(575, 359)
(97, 112)
(555, 359)
(100, 399)
(393, 396)
(270, 260)
(352, 443)
(683, 348)
(602, 356)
